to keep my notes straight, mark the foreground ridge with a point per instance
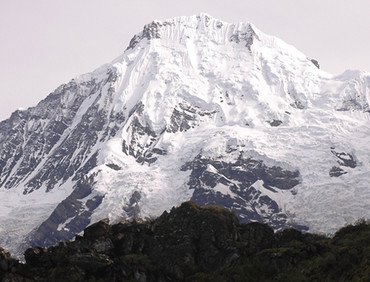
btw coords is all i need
(193, 243)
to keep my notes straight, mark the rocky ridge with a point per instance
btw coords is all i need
(193, 243)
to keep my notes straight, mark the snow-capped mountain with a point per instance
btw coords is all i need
(195, 109)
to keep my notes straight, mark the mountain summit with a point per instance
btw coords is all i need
(195, 109)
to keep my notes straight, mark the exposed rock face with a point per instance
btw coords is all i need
(316, 63)
(240, 186)
(336, 171)
(68, 219)
(37, 133)
(276, 122)
(7, 263)
(344, 160)
(193, 243)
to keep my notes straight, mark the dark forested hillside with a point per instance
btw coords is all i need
(193, 243)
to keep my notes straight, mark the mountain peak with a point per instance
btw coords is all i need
(187, 27)
(204, 30)
(204, 15)
(196, 108)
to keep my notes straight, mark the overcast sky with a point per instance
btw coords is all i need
(45, 43)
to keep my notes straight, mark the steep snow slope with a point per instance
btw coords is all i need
(198, 109)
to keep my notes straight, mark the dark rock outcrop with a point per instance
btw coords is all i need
(69, 218)
(344, 160)
(275, 122)
(7, 263)
(316, 63)
(234, 185)
(336, 171)
(50, 144)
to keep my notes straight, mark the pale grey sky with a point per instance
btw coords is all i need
(45, 43)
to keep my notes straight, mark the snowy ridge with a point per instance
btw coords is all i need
(195, 108)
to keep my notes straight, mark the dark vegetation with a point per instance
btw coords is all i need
(193, 243)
